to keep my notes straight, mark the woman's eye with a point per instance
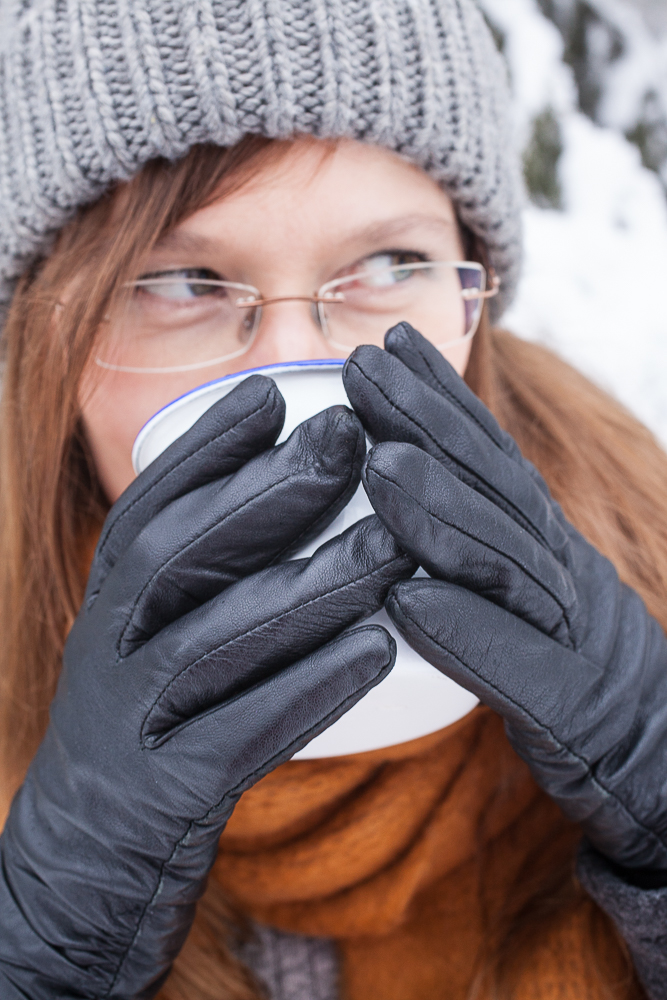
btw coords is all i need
(394, 258)
(182, 285)
(389, 268)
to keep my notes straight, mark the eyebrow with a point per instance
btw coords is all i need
(181, 241)
(379, 231)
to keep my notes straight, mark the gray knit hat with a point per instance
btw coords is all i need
(90, 90)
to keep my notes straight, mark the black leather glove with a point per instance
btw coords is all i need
(196, 665)
(520, 609)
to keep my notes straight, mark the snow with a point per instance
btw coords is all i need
(533, 49)
(643, 65)
(595, 272)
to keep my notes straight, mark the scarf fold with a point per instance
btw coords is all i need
(403, 855)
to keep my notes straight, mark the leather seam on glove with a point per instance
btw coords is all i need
(521, 517)
(459, 404)
(562, 746)
(186, 458)
(486, 545)
(312, 526)
(244, 635)
(236, 791)
(194, 541)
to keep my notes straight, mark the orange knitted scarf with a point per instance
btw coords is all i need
(403, 855)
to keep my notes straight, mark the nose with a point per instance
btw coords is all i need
(289, 331)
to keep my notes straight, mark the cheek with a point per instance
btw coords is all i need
(458, 356)
(114, 408)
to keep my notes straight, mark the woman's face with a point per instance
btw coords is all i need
(297, 225)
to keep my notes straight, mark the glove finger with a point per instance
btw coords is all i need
(265, 622)
(428, 364)
(573, 721)
(459, 536)
(204, 768)
(212, 537)
(395, 405)
(244, 738)
(533, 682)
(425, 360)
(244, 423)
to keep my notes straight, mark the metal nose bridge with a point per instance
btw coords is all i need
(255, 303)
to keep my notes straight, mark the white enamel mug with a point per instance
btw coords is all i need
(415, 699)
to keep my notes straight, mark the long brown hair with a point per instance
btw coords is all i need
(605, 469)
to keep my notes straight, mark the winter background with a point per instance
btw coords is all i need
(589, 79)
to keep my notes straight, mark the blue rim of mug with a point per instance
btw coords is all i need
(282, 366)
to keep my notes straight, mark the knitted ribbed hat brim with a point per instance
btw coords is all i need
(90, 90)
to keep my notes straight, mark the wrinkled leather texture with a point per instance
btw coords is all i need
(200, 660)
(520, 608)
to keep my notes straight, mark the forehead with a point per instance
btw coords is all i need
(327, 192)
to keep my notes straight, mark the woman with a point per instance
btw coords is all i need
(176, 154)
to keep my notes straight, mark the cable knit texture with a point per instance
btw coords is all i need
(90, 90)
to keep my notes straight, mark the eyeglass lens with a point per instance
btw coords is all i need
(429, 296)
(180, 322)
